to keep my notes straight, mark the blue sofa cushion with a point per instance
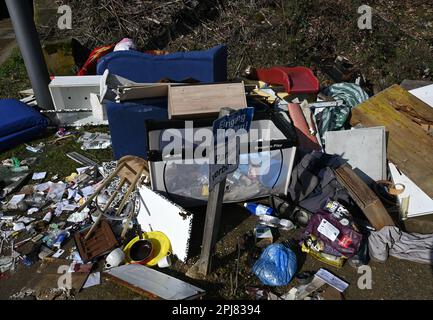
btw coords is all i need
(205, 66)
(18, 123)
(16, 116)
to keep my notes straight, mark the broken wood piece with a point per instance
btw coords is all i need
(364, 197)
(131, 188)
(102, 186)
(51, 274)
(102, 241)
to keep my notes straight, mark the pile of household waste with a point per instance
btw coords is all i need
(57, 222)
(345, 175)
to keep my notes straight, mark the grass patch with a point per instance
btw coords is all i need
(13, 76)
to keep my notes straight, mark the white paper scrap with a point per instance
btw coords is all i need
(39, 175)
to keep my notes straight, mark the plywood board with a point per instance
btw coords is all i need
(50, 273)
(153, 284)
(205, 99)
(409, 146)
(159, 214)
(143, 91)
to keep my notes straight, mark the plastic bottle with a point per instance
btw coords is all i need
(258, 209)
(60, 239)
(47, 218)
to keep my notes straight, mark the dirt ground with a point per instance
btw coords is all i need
(393, 280)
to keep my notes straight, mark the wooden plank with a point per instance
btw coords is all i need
(409, 146)
(153, 284)
(205, 99)
(131, 287)
(212, 225)
(364, 197)
(49, 274)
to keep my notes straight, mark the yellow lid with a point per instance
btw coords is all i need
(160, 243)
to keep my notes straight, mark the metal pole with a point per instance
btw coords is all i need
(28, 42)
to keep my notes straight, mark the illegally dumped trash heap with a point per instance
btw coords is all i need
(348, 173)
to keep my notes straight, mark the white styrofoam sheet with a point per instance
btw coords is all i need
(364, 149)
(159, 214)
(420, 203)
(425, 94)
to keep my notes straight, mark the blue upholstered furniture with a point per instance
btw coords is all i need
(19, 123)
(205, 66)
(127, 124)
(127, 120)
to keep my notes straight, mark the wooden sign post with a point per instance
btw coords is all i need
(216, 195)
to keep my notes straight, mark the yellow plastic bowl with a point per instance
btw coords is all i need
(160, 243)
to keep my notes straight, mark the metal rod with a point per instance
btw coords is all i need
(66, 111)
(28, 41)
(326, 104)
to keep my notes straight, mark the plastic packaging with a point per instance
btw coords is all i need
(276, 266)
(55, 193)
(37, 200)
(61, 237)
(337, 209)
(334, 261)
(258, 209)
(125, 44)
(274, 222)
(337, 237)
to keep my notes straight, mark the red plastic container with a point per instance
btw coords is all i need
(294, 79)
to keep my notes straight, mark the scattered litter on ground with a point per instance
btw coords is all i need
(94, 141)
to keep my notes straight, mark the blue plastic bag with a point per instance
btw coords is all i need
(276, 266)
